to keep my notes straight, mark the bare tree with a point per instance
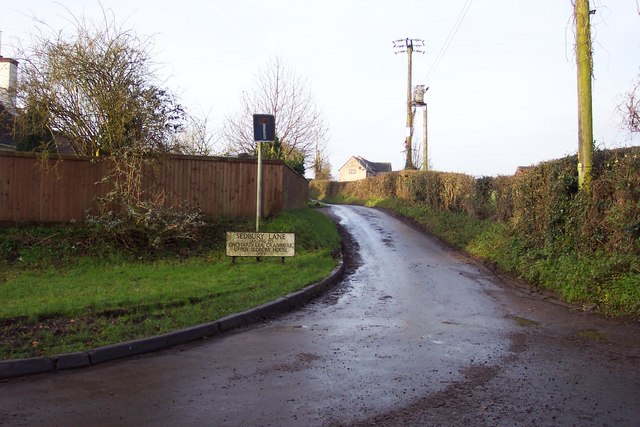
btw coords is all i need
(197, 138)
(630, 108)
(280, 92)
(416, 154)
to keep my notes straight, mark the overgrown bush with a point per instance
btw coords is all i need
(146, 224)
(541, 204)
(550, 212)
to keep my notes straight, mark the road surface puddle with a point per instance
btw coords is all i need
(291, 328)
(526, 323)
(592, 335)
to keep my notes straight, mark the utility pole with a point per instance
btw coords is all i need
(409, 46)
(425, 160)
(584, 61)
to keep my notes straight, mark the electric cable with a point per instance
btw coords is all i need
(454, 30)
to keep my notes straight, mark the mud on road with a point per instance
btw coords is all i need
(566, 366)
(557, 374)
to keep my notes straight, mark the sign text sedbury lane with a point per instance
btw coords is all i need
(247, 244)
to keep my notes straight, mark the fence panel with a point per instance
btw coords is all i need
(63, 188)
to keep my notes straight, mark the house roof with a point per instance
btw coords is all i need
(11, 60)
(372, 167)
(8, 143)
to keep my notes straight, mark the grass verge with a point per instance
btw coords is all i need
(607, 282)
(62, 291)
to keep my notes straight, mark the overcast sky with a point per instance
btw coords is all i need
(503, 94)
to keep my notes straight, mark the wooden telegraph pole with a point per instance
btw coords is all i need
(408, 164)
(409, 46)
(584, 61)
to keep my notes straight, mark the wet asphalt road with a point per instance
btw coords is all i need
(416, 335)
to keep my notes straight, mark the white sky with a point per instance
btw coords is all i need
(503, 94)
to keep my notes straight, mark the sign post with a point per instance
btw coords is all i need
(264, 130)
(259, 188)
(245, 244)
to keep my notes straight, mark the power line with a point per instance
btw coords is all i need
(449, 39)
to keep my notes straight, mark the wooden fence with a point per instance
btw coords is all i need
(63, 188)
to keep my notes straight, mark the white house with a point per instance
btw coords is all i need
(357, 168)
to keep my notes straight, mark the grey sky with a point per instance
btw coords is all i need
(502, 95)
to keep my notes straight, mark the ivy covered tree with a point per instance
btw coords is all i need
(31, 128)
(275, 151)
(321, 165)
(95, 89)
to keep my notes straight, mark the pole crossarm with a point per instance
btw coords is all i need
(403, 45)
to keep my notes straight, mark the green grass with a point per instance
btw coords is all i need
(98, 288)
(342, 199)
(52, 305)
(458, 229)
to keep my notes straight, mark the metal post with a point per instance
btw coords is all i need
(259, 188)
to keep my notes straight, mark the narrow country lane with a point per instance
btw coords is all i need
(416, 335)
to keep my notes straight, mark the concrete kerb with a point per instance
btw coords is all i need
(21, 367)
(39, 365)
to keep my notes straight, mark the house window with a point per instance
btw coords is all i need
(352, 171)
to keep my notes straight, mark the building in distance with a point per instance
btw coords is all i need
(357, 168)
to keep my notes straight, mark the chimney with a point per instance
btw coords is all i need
(8, 82)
